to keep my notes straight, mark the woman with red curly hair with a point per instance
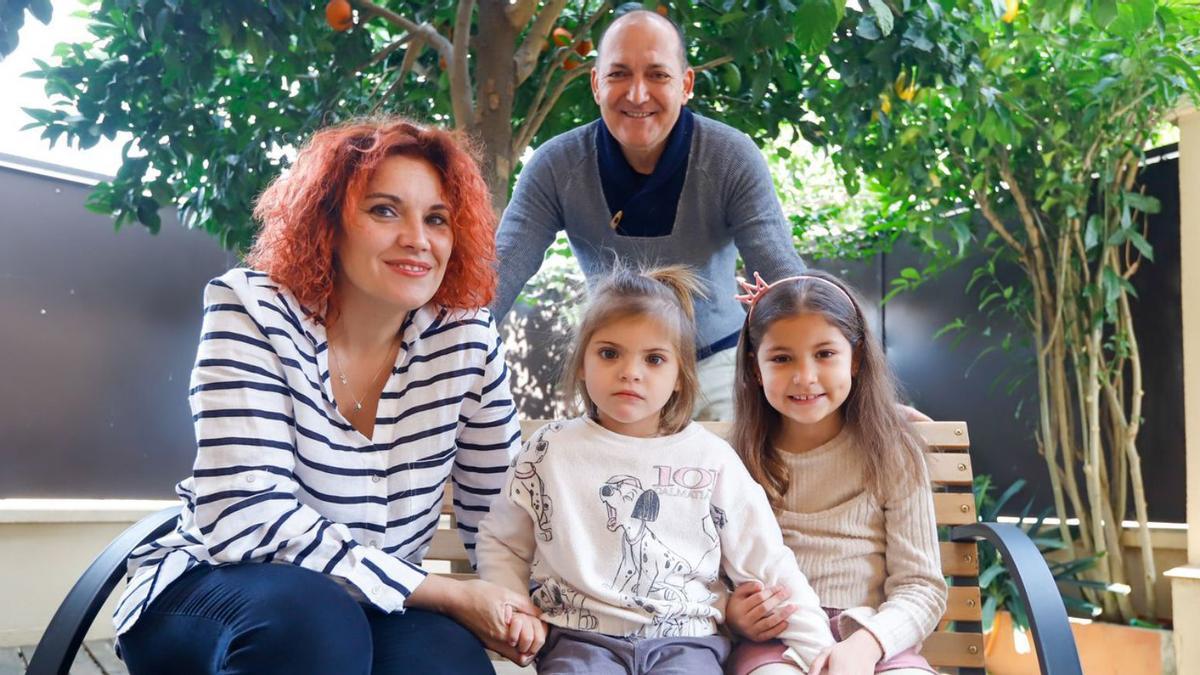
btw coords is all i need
(339, 385)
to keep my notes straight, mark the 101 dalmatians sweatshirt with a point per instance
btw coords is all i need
(626, 536)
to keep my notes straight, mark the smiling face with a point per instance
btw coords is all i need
(395, 243)
(640, 85)
(807, 367)
(630, 371)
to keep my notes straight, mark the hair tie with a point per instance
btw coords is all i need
(760, 287)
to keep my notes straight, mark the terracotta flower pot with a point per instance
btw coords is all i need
(1104, 649)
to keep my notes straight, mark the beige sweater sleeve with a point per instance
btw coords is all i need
(914, 586)
(752, 548)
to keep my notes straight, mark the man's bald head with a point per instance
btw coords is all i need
(633, 12)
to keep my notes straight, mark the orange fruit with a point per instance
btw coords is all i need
(571, 63)
(584, 47)
(562, 37)
(339, 15)
(662, 10)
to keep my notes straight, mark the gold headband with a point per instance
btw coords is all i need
(760, 287)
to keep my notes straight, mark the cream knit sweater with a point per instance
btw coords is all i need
(878, 562)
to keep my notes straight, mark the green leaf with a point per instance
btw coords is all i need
(1091, 232)
(1113, 286)
(42, 10)
(883, 15)
(813, 24)
(990, 574)
(1143, 203)
(1104, 12)
(1140, 243)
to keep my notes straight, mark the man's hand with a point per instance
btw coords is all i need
(856, 655)
(758, 613)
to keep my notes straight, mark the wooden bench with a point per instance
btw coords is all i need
(956, 646)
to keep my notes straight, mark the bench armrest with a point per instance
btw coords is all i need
(56, 650)
(1052, 635)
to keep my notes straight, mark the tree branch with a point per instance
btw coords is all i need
(1031, 229)
(709, 65)
(534, 121)
(386, 51)
(986, 208)
(410, 58)
(462, 97)
(525, 58)
(520, 12)
(434, 38)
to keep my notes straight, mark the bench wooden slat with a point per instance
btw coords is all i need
(954, 650)
(949, 468)
(959, 559)
(963, 604)
(945, 435)
(954, 508)
(446, 545)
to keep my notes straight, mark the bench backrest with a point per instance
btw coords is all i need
(958, 642)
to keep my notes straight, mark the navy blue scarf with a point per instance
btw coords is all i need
(641, 205)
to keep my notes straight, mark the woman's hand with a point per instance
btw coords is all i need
(856, 655)
(758, 613)
(483, 608)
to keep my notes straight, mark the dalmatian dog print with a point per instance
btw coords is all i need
(528, 486)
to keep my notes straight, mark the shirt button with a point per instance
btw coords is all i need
(373, 544)
(375, 479)
(250, 478)
(378, 590)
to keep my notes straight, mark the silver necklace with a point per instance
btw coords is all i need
(358, 405)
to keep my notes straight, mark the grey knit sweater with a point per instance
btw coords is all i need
(728, 205)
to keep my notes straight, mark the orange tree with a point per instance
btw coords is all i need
(1039, 140)
(216, 92)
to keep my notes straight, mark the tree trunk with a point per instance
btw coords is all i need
(495, 76)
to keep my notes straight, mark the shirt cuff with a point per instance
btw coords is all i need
(385, 580)
(866, 618)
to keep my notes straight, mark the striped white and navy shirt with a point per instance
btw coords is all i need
(281, 476)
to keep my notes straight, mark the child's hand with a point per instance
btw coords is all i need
(526, 634)
(856, 655)
(758, 613)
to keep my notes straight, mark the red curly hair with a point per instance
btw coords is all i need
(301, 211)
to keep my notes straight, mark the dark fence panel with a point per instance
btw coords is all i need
(99, 332)
(958, 383)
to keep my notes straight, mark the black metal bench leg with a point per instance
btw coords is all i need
(56, 650)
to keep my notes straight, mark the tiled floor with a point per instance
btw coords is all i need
(98, 658)
(95, 658)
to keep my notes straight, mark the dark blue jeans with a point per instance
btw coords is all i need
(261, 619)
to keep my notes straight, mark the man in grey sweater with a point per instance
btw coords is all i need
(652, 183)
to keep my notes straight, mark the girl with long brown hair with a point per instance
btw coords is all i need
(818, 426)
